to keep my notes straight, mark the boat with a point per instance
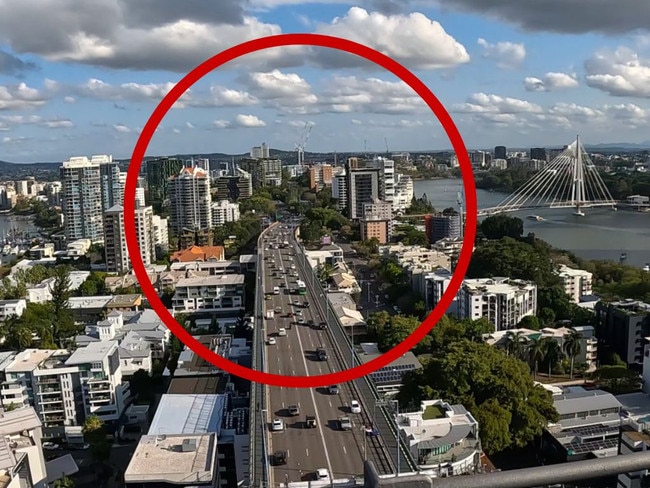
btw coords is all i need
(623, 256)
(647, 267)
(538, 218)
(579, 213)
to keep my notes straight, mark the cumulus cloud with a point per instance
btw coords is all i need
(551, 82)
(620, 73)
(21, 96)
(566, 16)
(132, 92)
(506, 55)
(56, 123)
(121, 128)
(287, 92)
(243, 120)
(414, 40)
(484, 103)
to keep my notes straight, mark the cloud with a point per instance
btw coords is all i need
(565, 16)
(12, 65)
(226, 97)
(69, 99)
(551, 82)
(56, 123)
(286, 92)
(484, 103)
(121, 128)
(21, 96)
(131, 92)
(221, 124)
(413, 39)
(620, 73)
(507, 55)
(249, 121)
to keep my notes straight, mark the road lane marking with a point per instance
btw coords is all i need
(344, 450)
(307, 451)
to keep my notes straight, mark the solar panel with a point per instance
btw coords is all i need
(597, 445)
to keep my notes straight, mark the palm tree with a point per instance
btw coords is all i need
(572, 347)
(536, 354)
(552, 353)
(515, 343)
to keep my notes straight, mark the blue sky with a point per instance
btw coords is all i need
(81, 78)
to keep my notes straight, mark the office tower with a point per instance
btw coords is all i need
(261, 152)
(112, 181)
(538, 153)
(116, 252)
(159, 171)
(264, 172)
(387, 174)
(340, 189)
(235, 188)
(363, 186)
(190, 201)
(82, 199)
(500, 152)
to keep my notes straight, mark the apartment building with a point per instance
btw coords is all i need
(404, 192)
(224, 211)
(159, 171)
(115, 248)
(82, 198)
(434, 285)
(190, 201)
(160, 233)
(443, 438)
(235, 188)
(340, 188)
(111, 181)
(503, 301)
(23, 464)
(263, 171)
(376, 221)
(217, 293)
(363, 186)
(9, 308)
(103, 392)
(577, 282)
(320, 176)
(442, 227)
(622, 327)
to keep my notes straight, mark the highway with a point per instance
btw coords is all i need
(309, 449)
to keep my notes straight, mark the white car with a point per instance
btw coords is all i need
(323, 474)
(355, 407)
(277, 425)
(271, 341)
(282, 331)
(50, 446)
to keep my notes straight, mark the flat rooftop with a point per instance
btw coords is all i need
(196, 385)
(177, 459)
(190, 363)
(189, 414)
(93, 352)
(213, 280)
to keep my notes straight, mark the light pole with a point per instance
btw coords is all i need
(352, 347)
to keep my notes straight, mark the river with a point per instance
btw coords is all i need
(9, 223)
(600, 234)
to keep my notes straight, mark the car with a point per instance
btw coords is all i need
(321, 353)
(271, 341)
(297, 303)
(333, 390)
(50, 446)
(322, 325)
(355, 407)
(293, 410)
(278, 309)
(298, 312)
(310, 422)
(322, 474)
(301, 321)
(345, 423)
(279, 458)
(282, 332)
(79, 447)
(277, 425)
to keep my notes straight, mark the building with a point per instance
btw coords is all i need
(503, 301)
(261, 152)
(115, 248)
(404, 192)
(442, 227)
(320, 176)
(82, 199)
(235, 188)
(190, 201)
(443, 438)
(633, 441)
(23, 464)
(621, 327)
(388, 378)
(195, 254)
(264, 172)
(10, 308)
(224, 211)
(102, 391)
(218, 293)
(363, 186)
(387, 177)
(159, 171)
(160, 233)
(577, 282)
(376, 221)
(111, 181)
(340, 189)
(435, 285)
(500, 152)
(538, 153)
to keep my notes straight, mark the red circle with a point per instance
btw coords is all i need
(307, 40)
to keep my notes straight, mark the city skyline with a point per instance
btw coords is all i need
(513, 76)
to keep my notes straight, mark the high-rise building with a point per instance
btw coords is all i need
(160, 234)
(500, 152)
(319, 176)
(224, 211)
(112, 181)
(264, 172)
(190, 201)
(364, 186)
(538, 153)
(116, 251)
(159, 171)
(261, 152)
(403, 193)
(376, 220)
(442, 226)
(340, 189)
(82, 199)
(387, 174)
(235, 188)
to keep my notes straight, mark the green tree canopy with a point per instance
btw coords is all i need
(502, 225)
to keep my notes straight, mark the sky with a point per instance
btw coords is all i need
(82, 78)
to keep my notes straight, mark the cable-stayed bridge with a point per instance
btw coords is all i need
(571, 180)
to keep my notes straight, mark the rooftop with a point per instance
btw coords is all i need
(125, 301)
(496, 285)
(189, 414)
(18, 420)
(93, 352)
(29, 359)
(214, 280)
(190, 363)
(89, 302)
(177, 459)
(196, 253)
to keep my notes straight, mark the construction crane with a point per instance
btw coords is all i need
(302, 144)
(387, 151)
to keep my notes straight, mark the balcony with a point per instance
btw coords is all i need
(464, 450)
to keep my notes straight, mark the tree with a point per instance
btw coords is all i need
(511, 409)
(94, 432)
(552, 353)
(572, 347)
(62, 320)
(529, 322)
(515, 344)
(502, 225)
(535, 354)
(64, 482)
